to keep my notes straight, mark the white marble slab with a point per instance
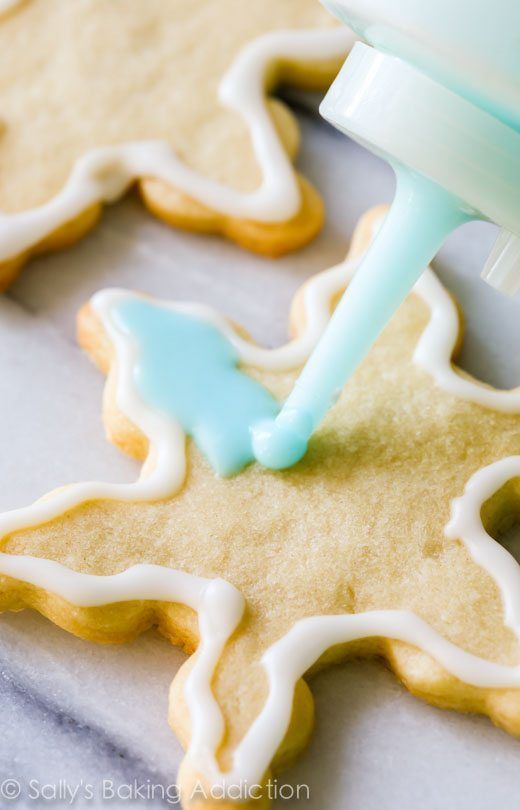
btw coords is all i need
(75, 711)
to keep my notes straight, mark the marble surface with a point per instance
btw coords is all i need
(75, 714)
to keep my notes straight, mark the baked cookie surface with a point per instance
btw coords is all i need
(96, 95)
(345, 554)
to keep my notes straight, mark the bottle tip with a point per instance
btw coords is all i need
(278, 443)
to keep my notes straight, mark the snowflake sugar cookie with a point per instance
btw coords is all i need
(376, 543)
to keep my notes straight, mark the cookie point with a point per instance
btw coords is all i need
(279, 444)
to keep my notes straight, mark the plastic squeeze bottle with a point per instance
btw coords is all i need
(436, 92)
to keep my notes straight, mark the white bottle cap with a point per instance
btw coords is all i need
(408, 118)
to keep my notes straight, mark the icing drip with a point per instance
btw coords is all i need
(104, 174)
(218, 604)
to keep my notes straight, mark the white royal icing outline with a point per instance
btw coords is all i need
(104, 174)
(220, 605)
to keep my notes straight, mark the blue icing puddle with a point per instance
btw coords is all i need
(187, 369)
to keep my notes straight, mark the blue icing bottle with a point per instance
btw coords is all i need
(433, 89)
(188, 369)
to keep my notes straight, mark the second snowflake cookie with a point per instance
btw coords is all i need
(169, 95)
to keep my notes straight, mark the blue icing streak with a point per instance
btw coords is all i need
(188, 369)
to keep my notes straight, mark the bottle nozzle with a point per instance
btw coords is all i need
(502, 268)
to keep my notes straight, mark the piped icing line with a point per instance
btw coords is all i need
(219, 606)
(466, 523)
(288, 659)
(434, 350)
(290, 656)
(165, 467)
(104, 174)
